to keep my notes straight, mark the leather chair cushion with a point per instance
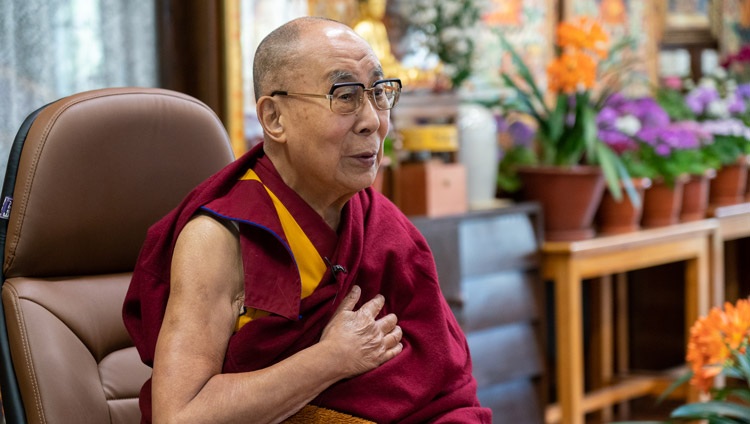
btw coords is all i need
(98, 170)
(70, 331)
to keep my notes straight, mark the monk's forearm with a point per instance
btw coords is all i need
(269, 395)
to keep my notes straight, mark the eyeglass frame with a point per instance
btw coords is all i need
(337, 85)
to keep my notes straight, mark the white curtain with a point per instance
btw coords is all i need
(257, 19)
(53, 48)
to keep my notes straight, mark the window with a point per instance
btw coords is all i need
(53, 48)
(257, 19)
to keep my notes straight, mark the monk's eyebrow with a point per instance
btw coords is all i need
(377, 73)
(340, 76)
(346, 76)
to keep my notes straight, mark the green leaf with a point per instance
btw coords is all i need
(552, 133)
(710, 409)
(722, 420)
(735, 393)
(744, 364)
(524, 72)
(616, 174)
(741, 394)
(588, 123)
(639, 422)
(673, 102)
(677, 383)
(608, 161)
(507, 177)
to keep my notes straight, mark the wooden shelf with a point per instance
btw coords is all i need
(567, 264)
(734, 221)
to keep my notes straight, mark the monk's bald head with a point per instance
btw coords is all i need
(279, 56)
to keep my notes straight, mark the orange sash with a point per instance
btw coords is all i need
(311, 414)
(310, 264)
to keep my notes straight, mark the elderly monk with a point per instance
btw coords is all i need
(284, 287)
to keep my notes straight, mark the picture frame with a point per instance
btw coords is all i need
(730, 24)
(528, 25)
(688, 15)
(690, 22)
(692, 26)
(633, 18)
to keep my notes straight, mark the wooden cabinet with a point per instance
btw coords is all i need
(489, 268)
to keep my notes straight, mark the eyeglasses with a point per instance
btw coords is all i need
(347, 97)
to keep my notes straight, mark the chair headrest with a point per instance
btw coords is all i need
(97, 169)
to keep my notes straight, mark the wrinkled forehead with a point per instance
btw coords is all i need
(337, 54)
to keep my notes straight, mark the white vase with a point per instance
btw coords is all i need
(478, 152)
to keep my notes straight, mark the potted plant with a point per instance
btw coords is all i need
(738, 64)
(719, 345)
(721, 106)
(567, 146)
(667, 153)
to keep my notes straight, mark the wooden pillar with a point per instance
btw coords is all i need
(200, 55)
(189, 37)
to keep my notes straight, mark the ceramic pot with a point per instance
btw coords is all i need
(569, 198)
(662, 203)
(695, 194)
(728, 187)
(617, 217)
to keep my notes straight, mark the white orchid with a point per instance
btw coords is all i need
(451, 29)
(628, 125)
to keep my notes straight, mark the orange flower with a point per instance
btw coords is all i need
(572, 34)
(571, 71)
(714, 339)
(583, 34)
(581, 42)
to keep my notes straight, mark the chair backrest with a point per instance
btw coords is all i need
(87, 175)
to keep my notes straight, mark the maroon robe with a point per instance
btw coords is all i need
(376, 248)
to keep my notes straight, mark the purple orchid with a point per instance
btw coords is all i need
(701, 97)
(731, 126)
(621, 121)
(521, 134)
(672, 137)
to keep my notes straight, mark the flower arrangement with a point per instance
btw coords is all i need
(738, 64)
(719, 345)
(451, 28)
(650, 145)
(566, 132)
(722, 108)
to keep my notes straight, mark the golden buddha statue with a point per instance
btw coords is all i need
(613, 12)
(744, 18)
(370, 26)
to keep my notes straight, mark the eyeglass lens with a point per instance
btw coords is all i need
(348, 98)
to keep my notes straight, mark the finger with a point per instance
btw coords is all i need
(373, 306)
(393, 338)
(388, 323)
(350, 300)
(391, 353)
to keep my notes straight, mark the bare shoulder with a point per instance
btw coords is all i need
(207, 254)
(205, 228)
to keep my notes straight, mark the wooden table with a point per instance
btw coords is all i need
(734, 221)
(734, 224)
(567, 264)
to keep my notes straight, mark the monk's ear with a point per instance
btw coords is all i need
(269, 115)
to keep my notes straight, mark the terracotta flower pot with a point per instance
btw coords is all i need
(662, 203)
(615, 217)
(569, 198)
(728, 187)
(695, 196)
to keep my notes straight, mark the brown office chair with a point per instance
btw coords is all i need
(87, 175)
